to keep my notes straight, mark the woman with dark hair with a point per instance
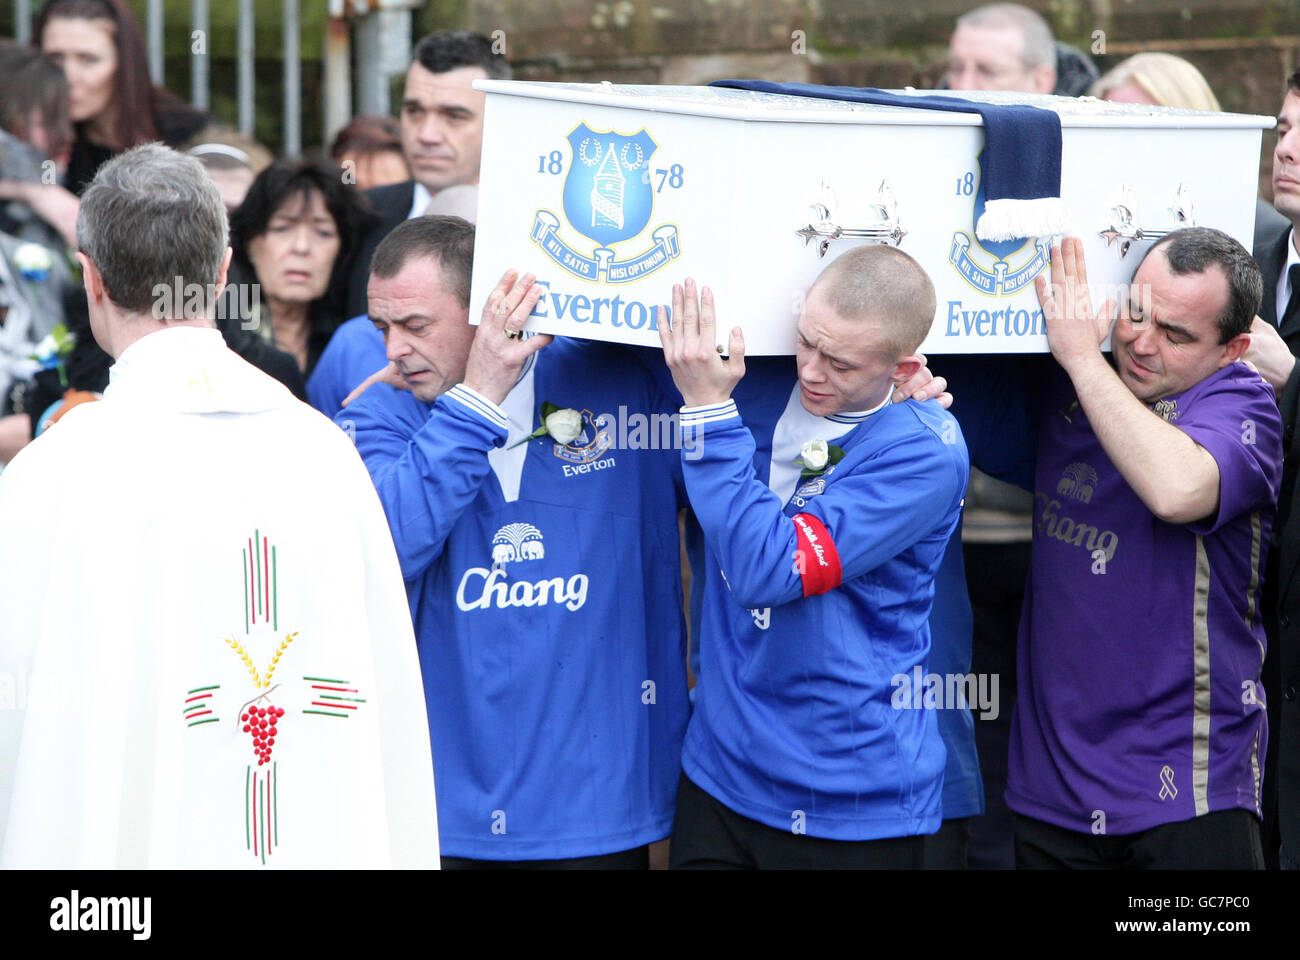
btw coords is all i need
(295, 236)
(112, 102)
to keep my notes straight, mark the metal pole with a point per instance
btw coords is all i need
(292, 81)
(23, 21)
(154, 20)
(199, 53)
(372, 90)
(246, 65)
(338, 72)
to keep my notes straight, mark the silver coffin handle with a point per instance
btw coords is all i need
(1124, 228)
(823, 226)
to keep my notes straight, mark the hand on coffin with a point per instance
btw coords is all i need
(923, 385)
(702, 375)
(1269, 355)
(499, 350)
(389, 375)
(1074, 331)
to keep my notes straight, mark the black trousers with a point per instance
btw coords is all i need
(949, 848)
(995, 577)
(637, 858)
(710, 836)
(1223, 840)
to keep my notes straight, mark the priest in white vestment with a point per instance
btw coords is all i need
(206, 653)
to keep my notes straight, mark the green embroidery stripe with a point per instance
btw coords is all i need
(201, 689)
(195, 706)
(197, 722)
(328, 696)
(324, 680)
(248, 839)
(275, 592)
(324, 713)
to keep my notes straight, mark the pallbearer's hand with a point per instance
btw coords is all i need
(923, 385)
(500, 348)
(389, 375)
(1074, 331)
(1269, 355)
(702, 375)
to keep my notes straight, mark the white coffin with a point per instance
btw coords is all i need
(610, 194)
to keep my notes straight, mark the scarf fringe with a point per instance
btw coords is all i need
(1012, 219)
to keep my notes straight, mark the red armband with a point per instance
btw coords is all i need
(819, 561)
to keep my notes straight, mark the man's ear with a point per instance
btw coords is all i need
(91, 278)
(1235, 349)
(224, 272)
(906, 369)
(1044, 78)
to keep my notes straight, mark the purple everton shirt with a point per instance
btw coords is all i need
(1141, 642)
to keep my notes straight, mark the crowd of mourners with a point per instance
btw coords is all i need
(1101, 559)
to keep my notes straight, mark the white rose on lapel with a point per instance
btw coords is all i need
(815, 454)
(817, 457)
(564, 425)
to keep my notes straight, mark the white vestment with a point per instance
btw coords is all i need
(195, 548)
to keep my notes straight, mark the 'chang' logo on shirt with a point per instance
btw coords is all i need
(1068, 530)
(481, 588)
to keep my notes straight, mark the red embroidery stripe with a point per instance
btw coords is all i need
(199, 714)
(820, 561)
(203, 696)
(332, 706)
(317, 686)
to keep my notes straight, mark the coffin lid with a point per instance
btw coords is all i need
(729, 104)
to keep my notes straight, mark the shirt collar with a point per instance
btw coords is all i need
(420, 201)
(856, 417)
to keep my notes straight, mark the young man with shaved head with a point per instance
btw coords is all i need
(818, 584)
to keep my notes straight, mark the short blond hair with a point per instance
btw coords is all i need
(1169, 80)
(885, 286)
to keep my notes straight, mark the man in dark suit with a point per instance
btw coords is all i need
(1275, 345)
(442, 136)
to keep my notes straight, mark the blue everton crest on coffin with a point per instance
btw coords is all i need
(608, 198)
(607, 194)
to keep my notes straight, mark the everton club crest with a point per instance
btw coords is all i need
(995, 269)
(608, 199)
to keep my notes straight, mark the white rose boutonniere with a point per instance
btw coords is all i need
(816, 457)
(563, 425)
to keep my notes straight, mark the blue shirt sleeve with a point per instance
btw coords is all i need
(880, 501)
(426, 473)
(354, 352)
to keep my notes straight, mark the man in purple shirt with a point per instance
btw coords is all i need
(1139, 735)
